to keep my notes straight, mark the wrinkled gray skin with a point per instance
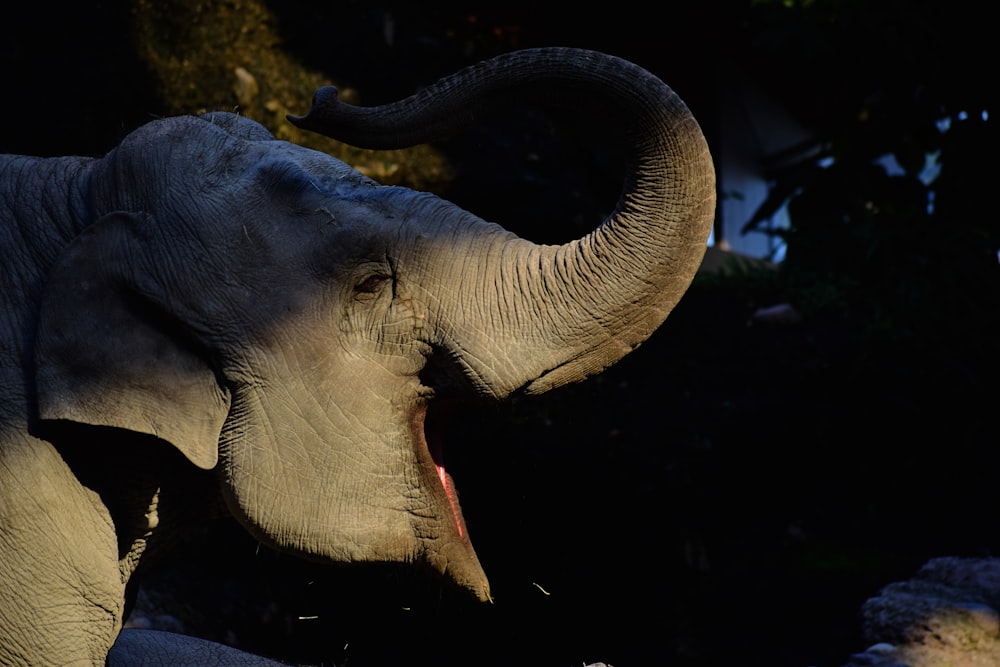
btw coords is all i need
(210, 317)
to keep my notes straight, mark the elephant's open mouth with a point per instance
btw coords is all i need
(433, 415)
(450, 551)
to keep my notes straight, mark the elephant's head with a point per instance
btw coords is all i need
(279, 317)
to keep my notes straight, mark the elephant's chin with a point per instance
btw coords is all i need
(451, 552)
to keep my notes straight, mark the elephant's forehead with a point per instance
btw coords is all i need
(281, 164)
(290, 175)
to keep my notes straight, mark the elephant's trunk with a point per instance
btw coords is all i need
(569, 311)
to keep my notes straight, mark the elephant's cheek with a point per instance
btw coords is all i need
(299, 489)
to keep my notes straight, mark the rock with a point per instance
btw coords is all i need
(246, 87)
(945, 615)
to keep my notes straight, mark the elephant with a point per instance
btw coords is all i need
(209, 320)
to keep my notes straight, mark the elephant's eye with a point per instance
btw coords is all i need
(372, 283)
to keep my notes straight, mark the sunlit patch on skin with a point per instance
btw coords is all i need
(452, 498)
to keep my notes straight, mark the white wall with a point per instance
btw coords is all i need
(753, 131)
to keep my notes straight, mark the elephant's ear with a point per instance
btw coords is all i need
(108, 354)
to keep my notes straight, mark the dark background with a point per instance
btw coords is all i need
(728, 494)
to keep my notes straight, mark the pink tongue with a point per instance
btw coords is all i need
(450, 491)
(433, 439)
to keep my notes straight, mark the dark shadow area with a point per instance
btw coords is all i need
(71, 80)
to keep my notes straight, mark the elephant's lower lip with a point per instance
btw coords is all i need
(452, 552)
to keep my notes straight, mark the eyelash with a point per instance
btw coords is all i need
(371, 284)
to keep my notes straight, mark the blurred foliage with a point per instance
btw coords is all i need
(892, 221)
(250, 71)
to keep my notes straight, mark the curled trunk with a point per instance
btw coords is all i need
(572, 309)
